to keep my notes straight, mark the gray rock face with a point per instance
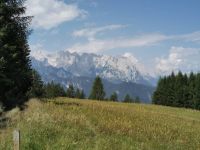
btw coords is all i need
(119, 74)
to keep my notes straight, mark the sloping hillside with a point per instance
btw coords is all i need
(82, 124)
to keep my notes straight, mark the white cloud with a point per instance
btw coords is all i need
(90, 33)
(179, 58)
(193, 37)
(35, 48)
(38, 51)
(132, 57)
(138, 63)
(51, 13)
(96, 45)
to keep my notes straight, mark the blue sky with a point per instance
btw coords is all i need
(162, 35)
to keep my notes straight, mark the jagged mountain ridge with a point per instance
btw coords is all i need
(120, 74)
(115, 69)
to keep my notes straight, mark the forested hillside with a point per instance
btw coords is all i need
(179, 90)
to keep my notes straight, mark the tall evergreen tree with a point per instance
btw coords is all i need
(179, 86)
(97, 91)
(53, 90)
(128, 99)
(137, 99)
(170, 89)
(114, 97)
(79, 94)
(37, 89)
(82, 95)
(159, 94)
(15, 70)
(185, 87)
(71, 92)
(196, 98)
(191, 90)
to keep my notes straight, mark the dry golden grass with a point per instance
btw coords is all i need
(82, 124)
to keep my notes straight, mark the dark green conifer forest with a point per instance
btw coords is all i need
(179, 90)
(97, 91)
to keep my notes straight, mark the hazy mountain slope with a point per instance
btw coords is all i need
(50, 73)
(115, 69)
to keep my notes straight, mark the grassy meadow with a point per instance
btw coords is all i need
(65, 124)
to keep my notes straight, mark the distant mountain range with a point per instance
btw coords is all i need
(121, 74)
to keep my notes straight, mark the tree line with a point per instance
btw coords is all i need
(98, 93)
(52, 90)
(178, 90)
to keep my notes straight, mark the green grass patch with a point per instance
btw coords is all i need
(92, 125)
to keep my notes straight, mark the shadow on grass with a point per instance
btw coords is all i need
(3, 122)
(67, 103)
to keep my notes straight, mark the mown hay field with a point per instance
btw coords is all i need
(62, 124)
